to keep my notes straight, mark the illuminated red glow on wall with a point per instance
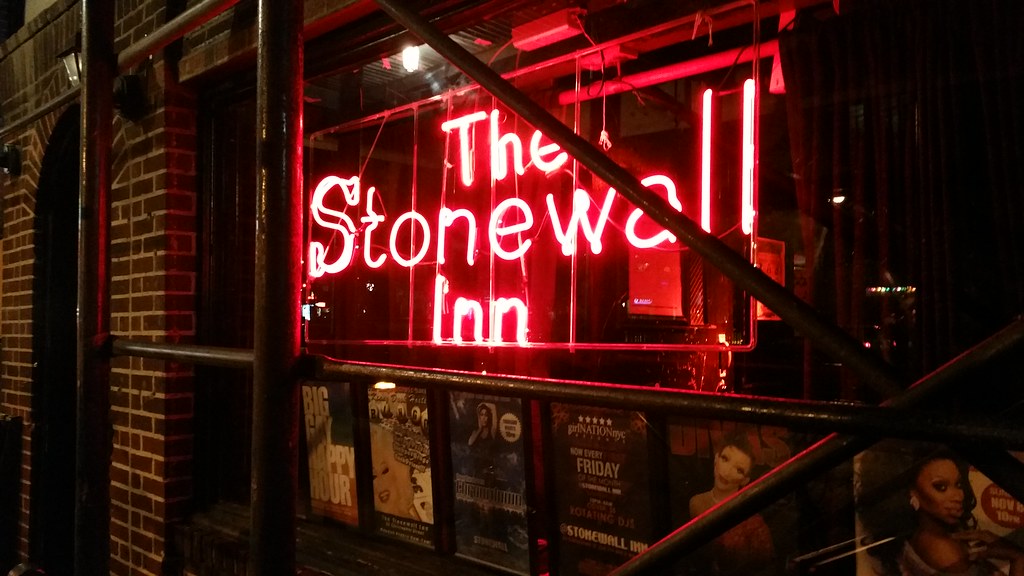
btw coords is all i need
(509, 224)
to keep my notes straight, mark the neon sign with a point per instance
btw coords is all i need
(353, 228)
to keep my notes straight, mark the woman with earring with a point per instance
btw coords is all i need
(937, 534)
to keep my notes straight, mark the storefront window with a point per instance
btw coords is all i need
(862, 160)
(440, 221)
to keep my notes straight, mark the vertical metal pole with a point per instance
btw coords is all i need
(278, 284)
(93, 437)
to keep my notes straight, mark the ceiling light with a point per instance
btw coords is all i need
(411, 58)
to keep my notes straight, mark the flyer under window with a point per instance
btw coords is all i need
(327, 420)
(710, 460)
(924, 510)
(602, 479)
(488, 463)
(400, 455)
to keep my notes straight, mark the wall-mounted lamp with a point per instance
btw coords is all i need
(10, 160)
(72, 65)
(129, 90)
(130, 96)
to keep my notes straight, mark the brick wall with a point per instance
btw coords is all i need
(153, 266)
(29, 67)
(153, 258)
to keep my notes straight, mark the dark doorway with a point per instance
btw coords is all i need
(54, 351)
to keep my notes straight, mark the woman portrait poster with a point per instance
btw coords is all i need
(924, 511)
(711, 460)
(401, 484)
(489, 467)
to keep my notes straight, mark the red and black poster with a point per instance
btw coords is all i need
(400, 454)
(602, 483)
(488, 463)
(709, 461)
(327, 420)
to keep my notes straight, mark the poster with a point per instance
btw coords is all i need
(709, 460)
(603, 488)
(400, 455)
(490, 480)
(771, 259)
(922, 509)
(327, 420)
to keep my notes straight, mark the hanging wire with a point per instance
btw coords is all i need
(703, 18)
(604, 140)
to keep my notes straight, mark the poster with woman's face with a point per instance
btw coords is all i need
(400, 458)
(488, 463)
(709, 461)
(923, 510)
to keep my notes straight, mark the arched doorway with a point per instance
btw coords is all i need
(54, 351)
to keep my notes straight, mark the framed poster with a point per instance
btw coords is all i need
(709, 460)
(602, 482)
(488, 464)
(400, 455)
(327, 421)
(770, 257)
(922, 509)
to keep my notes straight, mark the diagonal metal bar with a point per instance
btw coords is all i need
(826, 454)
(832, 340)
(173, 30)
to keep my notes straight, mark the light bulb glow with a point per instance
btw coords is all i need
(411, 58)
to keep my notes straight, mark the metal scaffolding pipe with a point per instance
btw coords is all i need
(826, 454)
(93, 427)
(180, 25)
(185, 353)
(668, 73)
(831, 339)
(799, 414)
(276, 350)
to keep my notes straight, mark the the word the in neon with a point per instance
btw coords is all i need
(546, 157)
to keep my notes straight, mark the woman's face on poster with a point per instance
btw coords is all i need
(939, 491)
(732, 468)
(483, 417)
(392, 491)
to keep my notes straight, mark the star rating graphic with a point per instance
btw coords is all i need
(594, 420)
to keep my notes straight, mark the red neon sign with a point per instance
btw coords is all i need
(364, 233)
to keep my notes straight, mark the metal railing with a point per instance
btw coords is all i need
(861, 426)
